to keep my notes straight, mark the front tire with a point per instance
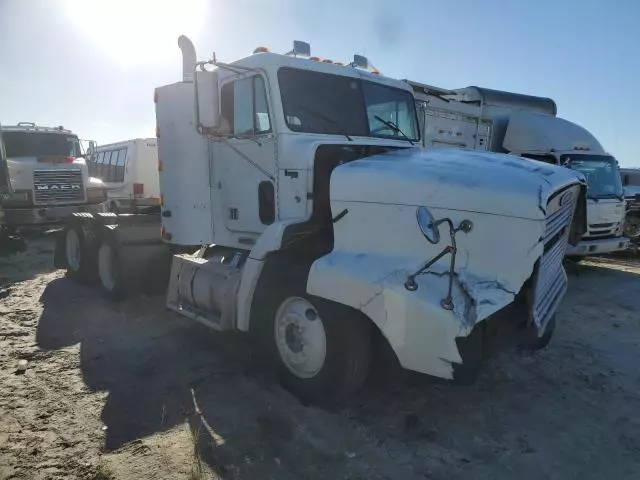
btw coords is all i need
(532, 342)
(321, 350)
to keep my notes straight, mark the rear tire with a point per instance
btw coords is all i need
(321, 350)
(79, 257)
(115, 282)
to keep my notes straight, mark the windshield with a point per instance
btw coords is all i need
(40, 144)
(315, 102)
(601, 171)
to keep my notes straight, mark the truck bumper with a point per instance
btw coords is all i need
(598, 246)
(36, 216)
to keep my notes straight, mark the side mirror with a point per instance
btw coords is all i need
(207, 101)
(428, 225)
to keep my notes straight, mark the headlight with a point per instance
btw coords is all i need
(427, 224)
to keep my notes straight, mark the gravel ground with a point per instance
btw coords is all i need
(131, 391)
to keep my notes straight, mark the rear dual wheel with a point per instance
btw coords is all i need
(79, 255)
(114, 278)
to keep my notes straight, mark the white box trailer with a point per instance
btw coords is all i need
(323, 227)
(129, 170)
(527, 126)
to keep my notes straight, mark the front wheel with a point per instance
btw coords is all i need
(321, 350)
(530, 339)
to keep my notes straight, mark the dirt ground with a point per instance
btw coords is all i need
(131, 391)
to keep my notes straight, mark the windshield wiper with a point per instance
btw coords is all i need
(394, 127)
(323, 117)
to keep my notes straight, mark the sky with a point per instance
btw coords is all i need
(92, 65)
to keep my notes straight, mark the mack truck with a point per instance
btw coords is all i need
(324, 230)
(48, 177)
(528, 126)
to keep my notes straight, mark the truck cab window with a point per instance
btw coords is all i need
(541, 158)
(244, 105)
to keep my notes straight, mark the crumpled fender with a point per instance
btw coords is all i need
(421, 332)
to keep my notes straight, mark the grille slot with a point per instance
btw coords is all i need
(57, 186)
(551, 280)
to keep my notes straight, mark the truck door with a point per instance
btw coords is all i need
(244, 163)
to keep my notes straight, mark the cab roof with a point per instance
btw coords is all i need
(271, 61)
(32, 127)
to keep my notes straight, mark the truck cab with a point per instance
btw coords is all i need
(552, 139)
(48, 176)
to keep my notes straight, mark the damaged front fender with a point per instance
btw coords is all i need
(423, 335)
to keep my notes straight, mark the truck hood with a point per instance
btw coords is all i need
(454, 179)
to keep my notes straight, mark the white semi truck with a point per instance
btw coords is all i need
(485, 119)
(322, 226)
(48, 176)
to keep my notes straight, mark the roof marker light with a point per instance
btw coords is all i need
(315, 59)
(360, 61)
(261, 50)
(300, 49)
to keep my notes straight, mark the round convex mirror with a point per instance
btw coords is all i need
(427, 224)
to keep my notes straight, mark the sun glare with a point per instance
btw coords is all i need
(131, 30)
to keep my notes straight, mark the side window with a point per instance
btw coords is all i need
(244, 105)
(261, 107)
(120, 165)
(112, 166)
(104, 168)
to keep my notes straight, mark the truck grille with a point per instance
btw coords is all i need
(57, 186)
(601, 229)
(551, 280)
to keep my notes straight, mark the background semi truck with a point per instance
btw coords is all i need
(48, 176)
(326, 233)
(498, 121)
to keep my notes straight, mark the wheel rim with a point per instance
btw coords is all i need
(72, 249)
(105, 267)
(300, 337)
(632, 227)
